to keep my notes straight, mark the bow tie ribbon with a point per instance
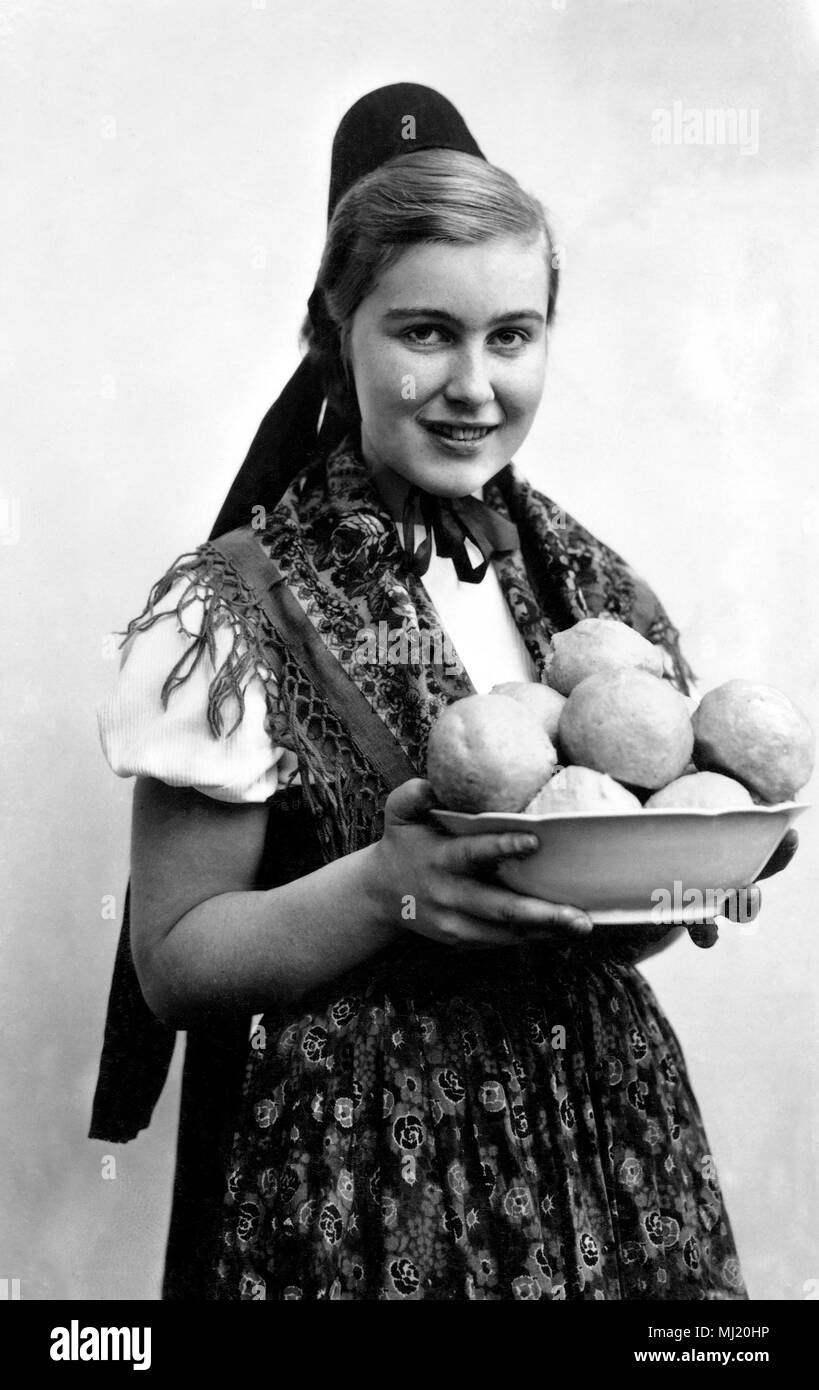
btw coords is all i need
(453, 521)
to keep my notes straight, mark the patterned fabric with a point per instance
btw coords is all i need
(335, 544)
(525, 1131)
(448, 1124)
(333, 540)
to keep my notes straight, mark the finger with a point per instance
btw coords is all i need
(703, 934)
(410, 802)
(468, 854)
(516, 910)
(465, 930)
(782, 855)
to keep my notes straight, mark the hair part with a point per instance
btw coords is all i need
(434, 195)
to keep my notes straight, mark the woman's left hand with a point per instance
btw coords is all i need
(743, 906)
(705, 934)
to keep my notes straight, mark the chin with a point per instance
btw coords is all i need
(451, 476)
(454, 481)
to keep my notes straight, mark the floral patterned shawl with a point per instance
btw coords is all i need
(335, 544)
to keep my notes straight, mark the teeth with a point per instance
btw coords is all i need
(462, 433)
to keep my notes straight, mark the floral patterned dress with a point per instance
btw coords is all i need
(508, 1125)
(442, 1123)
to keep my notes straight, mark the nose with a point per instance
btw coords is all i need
(469, 380)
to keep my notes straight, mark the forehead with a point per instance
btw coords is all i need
(471, 282)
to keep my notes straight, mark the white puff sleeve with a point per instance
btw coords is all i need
(174, 742)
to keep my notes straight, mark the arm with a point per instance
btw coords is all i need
(204, 938)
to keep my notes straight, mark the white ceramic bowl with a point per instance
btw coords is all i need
(658, 865)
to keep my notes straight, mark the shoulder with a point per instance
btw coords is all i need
(210, 597)
(196, 689)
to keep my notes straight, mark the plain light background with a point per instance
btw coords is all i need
(165, 192)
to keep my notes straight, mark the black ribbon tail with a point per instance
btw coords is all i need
(453, 521)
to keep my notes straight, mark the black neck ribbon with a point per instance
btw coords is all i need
(453, 521)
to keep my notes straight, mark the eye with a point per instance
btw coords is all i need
(424, 335)
(511, 337)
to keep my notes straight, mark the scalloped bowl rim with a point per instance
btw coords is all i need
(580, 858)
(644, 813)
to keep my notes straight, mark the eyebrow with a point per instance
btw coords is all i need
(426, 311)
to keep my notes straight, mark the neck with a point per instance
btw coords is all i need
(391, 488)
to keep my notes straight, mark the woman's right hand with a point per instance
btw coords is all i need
(436, 884)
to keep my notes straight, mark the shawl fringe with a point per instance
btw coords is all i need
(342, 800)
(214, 584)
(684, 677)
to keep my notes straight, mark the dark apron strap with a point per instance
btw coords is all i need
(353, 710)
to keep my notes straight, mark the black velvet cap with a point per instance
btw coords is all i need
(389, 122)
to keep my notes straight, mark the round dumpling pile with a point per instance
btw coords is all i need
(607, 733)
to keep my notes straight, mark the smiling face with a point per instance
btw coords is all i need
(448, 355)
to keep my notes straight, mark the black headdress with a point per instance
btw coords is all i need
(386, 123)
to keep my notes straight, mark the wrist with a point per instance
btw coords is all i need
(382, 904)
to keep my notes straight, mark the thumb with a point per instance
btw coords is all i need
(409, 802)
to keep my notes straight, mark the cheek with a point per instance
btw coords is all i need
(393, 381)
(380, 380)
(522, 386)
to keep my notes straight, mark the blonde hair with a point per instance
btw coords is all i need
(427, 196)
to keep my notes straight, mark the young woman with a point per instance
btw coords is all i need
(454, 1091)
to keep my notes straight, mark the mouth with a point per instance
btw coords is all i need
(460, 434)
